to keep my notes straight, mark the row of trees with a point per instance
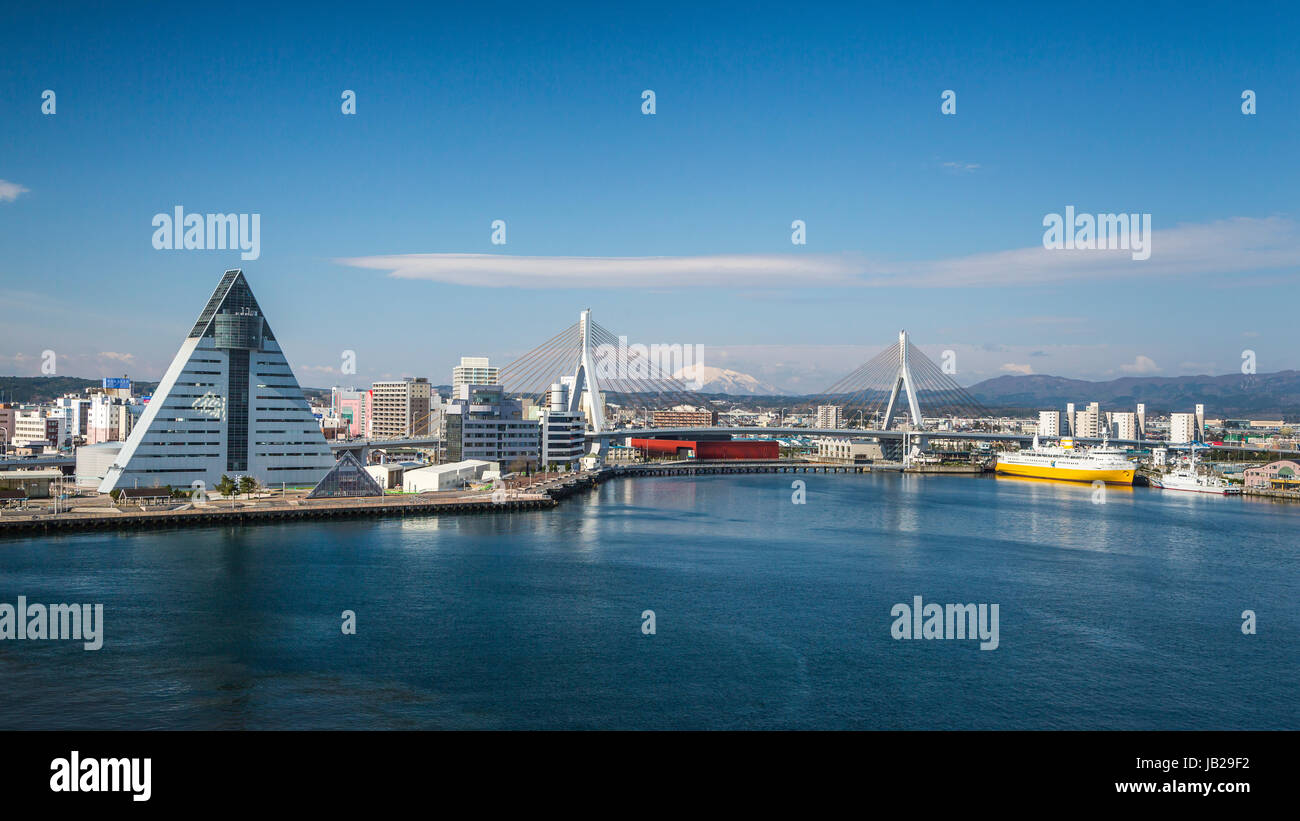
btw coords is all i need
(246, 485)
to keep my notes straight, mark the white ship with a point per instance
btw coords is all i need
(1187, 477)
(1066, 462)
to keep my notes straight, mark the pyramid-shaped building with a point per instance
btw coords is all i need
(346, 478)
(229, 404)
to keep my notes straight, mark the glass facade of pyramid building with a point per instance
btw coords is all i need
(228, 405)
(346, 479)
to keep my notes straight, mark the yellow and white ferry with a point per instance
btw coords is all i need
(1068, 463)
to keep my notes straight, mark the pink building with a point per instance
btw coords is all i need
(1284, 474)
(353, 409)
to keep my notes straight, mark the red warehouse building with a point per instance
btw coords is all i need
(710, 449)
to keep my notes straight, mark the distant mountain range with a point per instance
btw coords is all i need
(1275, 394)
(1270, 394)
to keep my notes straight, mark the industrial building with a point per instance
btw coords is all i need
(709, 449)
(34, 483)
(446, 477)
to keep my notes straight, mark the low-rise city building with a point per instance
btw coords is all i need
(683, 418)
(848, 449)
(1281, 475)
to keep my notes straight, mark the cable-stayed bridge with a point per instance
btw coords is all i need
(888, 397)
(597, 368)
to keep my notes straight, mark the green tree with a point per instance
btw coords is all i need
(226, 486)
(247, 485)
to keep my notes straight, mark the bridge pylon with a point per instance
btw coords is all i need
(903, 384)
(585, 379)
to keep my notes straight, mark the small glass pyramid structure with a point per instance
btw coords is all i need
(346, 478)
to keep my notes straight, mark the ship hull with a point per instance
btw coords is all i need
(1215, 491)
(1116, 476)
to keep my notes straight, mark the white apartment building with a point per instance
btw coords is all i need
(1182, 428)
(474, 370)
(1124, 425)
(76, 411)
(1049, 423)
(830, 417)
(39, 425)
(1088, 423)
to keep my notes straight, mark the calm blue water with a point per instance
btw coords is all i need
(768, 614)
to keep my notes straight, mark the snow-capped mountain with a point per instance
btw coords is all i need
(721, 380)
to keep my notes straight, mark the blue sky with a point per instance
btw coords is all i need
(764, 114)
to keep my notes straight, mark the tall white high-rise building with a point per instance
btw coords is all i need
(473, 370)
(1049, 423)
(1124, 425)
(1182, 428)
(1142, 420)
(1088, 423)
(228, 404)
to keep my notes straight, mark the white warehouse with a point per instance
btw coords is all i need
(446, 477)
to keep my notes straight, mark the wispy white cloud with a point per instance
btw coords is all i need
(504, 271)
(1012, 367)
(9, 191)
(962, 167)
(1232, 246)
